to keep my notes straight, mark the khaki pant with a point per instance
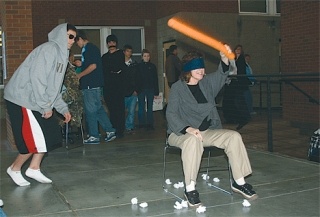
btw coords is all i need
(192, 149)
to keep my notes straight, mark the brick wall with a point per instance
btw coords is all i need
(165, 8)
(300, 54)
(16, 23)
(300, 36)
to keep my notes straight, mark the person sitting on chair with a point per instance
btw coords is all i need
(194, 123)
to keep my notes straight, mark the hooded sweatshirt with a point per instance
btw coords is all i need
(36, 84)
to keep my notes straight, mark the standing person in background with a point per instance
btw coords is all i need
(32, 94)
(148, 84)
(75, 62)
(72, 95)
(247, 93)
(173, 65)
(114, 84)
(173, 68)
(234, 106)
(243, 115)
(131, 92)
(91, 83)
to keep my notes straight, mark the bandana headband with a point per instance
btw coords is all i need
(197, 63)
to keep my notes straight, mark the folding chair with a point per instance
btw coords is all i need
(67, 133)
(206, 169)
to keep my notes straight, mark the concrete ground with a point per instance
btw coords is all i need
(100, 180)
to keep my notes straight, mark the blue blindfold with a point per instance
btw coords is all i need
(193, 64)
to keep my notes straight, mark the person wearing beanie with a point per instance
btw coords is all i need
(113, 63)
(194, 123)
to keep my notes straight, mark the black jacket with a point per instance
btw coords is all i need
(131, 78)
(148, 77)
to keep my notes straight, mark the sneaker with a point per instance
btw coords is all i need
(245, 190)
(192, 198)
(129, 131)
(17, 177)
(110, 136)
(38, 176)
(92, 141)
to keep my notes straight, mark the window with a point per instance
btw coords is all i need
(126, 35)
(133, 37)
(264, 7)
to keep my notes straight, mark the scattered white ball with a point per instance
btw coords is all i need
(201, 209)
(184, 204)
(178, 185)
(216, 179)
(181, 184)
(177, 205)
(246, 203)
(205, 176)
(143, 205)
(134, 201)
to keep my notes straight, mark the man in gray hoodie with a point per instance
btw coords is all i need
(32, 93)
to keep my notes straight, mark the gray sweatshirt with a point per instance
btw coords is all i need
(183, 109)
(36, 84)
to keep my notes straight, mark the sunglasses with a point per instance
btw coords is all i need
(71, 36)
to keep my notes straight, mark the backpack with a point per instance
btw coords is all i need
(313, 153)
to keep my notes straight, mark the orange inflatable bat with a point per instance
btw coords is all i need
(191, 32)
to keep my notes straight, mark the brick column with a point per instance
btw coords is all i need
(16, 21)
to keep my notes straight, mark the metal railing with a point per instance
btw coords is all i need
(269, 80)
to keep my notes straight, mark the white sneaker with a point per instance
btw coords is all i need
(17, 177)
(110, 136)
(38, 176)
(92, 141)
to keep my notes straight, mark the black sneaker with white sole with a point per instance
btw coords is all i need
(245, 190)
(192, 198)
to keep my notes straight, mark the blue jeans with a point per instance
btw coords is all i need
(130, 103)
(94, 112)
(2, 214)
(149, 95)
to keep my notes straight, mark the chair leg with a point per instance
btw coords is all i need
(208, 163)
(164, 167)
(230, 178)
(215, 186)
(82, 136)
(164, 176)
(67, 132)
